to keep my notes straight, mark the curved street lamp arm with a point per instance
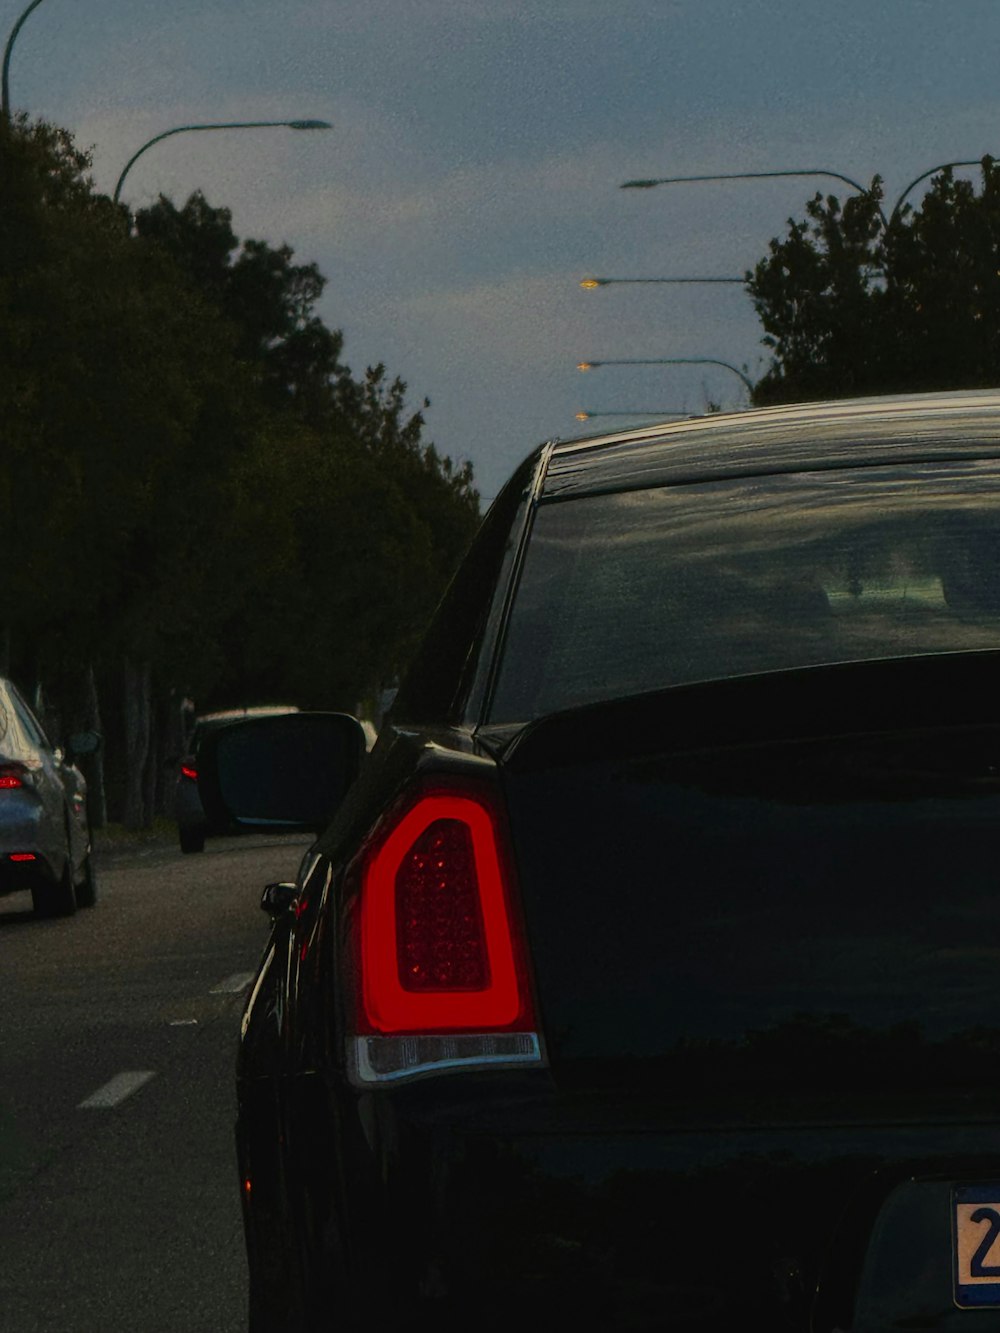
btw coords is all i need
(748, 176)
(638, 412)
(222, 125)
(179, 129)
(674, 361)
(922, 177)
(711, 361)
(5, 88)
(605, 282)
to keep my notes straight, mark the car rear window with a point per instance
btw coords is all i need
(636, 591)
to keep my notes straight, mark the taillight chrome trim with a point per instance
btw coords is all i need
(374, 1060)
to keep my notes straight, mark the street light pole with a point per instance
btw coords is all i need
(5, 85)
(222, 125)
(760, 175)
(672, 361)
(922, 177)
(654, 412)
(588, 284)
(749, 176)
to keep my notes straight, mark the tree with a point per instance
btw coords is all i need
(203, 500)
(268, 300)
(851, 305)
(340, 543)
(344, 526)
(113, 374)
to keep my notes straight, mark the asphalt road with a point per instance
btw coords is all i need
(118, 1029)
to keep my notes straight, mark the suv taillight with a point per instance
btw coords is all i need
(12, 776)
(444, 976)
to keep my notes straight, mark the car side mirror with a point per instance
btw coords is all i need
(288, 772)
(277, 899)
(83, 743)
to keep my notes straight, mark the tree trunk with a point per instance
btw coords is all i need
(150, 771)
(137, 736)
(174, 735)
(88, 718)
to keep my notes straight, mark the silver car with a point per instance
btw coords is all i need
(45, 846)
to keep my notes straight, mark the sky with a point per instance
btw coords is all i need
(472, 176)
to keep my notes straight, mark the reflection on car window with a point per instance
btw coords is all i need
(4, 715)
(30, 724)
(632, 592)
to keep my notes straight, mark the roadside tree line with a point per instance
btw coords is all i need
(853, 304)
(199, 499)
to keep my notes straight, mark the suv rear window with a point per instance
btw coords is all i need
(636, 591)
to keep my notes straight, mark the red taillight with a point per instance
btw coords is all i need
(11, 776)
(437, 944)
(189, 771)
(440, 937)
(22, 856)
(444, 968)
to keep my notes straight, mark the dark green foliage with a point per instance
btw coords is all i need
(268, 300)
(191, 478)
(852, 305)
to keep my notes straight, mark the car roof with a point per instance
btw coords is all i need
(801, 437)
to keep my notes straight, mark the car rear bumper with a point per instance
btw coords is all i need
(807, 1227)
(21, 826)
(18, 876)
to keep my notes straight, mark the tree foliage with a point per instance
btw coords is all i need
(202, 497)
(854, 304)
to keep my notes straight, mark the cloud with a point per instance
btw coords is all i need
(385, 15)
(471, 178)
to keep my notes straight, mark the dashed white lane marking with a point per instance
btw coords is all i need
(117, 1089)
(237, 982)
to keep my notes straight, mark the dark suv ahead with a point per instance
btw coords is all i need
(193, 823)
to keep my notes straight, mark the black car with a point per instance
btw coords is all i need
(194, 822)
(648, 974)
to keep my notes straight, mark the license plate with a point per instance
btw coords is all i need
(976, 1231)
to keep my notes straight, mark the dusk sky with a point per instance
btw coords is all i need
(471, 178)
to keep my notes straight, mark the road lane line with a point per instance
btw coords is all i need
(117, 1089)
(239, 981)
